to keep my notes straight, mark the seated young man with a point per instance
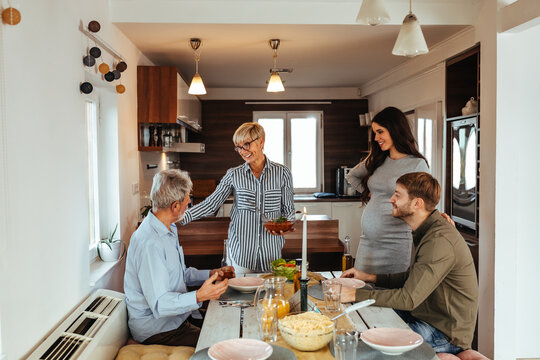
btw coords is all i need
(438, 295)
(160, 308)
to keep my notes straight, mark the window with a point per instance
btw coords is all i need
(103, 180)
(427, 126)
(294, 139)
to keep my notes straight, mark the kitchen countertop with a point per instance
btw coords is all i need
(304, 198)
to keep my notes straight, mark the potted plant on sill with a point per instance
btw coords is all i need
(109, 248)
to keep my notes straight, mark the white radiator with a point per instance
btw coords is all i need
(95, 330)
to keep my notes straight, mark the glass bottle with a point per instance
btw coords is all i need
(225, 261)
(297, 275)
(159, 140)
(152, 140)
(347, 259)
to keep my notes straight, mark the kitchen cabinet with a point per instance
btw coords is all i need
(349, 215)
(166, 113)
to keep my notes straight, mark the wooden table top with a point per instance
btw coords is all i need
(223, 323)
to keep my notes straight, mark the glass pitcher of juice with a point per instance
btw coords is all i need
(273, 296)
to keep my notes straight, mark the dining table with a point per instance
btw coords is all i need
(233, 316)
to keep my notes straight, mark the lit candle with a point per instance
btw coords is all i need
(304, 245)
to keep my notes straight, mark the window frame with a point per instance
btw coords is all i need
(287, 154)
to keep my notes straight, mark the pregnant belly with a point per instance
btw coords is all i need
(378, 222)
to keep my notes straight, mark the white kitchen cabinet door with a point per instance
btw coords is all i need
(349, 215)
(315, 208)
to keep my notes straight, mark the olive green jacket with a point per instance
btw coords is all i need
(440, 286)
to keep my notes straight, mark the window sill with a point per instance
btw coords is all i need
(99, 268)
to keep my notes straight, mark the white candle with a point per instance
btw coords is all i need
(304, 245)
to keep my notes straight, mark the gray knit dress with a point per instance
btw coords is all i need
(385, 246)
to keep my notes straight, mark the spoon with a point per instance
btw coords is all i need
(265, 218)
(356, 306)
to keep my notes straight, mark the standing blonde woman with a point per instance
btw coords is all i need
(258, 182)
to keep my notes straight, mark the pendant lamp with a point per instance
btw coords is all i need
(274, 84)
(410, 41)
(197, 85)
(373, 12)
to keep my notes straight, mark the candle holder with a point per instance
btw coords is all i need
(303, 294)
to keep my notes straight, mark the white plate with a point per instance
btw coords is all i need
(246, 284)
(240, 349)
(391, 341)
(349, 282)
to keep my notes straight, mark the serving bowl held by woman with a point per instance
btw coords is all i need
(306, 330)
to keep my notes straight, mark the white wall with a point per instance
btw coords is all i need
(44, 250)
(517, 240)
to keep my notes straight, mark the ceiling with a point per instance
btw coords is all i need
(323, 50)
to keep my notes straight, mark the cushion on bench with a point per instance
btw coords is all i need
(155, 352)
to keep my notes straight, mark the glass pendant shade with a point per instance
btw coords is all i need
(275, 84)
(197, 85)
(373, 12)
(410, 41)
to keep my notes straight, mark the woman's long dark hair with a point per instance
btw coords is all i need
(398, 126)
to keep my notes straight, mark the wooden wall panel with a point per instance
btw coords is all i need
(344, 139)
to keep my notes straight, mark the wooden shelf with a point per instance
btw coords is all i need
(150, 148)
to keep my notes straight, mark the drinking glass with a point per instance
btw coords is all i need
(268, 321)
(332, 295)
(345, 343)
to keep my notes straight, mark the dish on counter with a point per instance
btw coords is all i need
(391, 341)
(240, 349)
(246, 284)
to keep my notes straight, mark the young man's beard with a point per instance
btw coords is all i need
(402, 211)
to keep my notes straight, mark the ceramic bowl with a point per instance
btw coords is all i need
(282, 226)
(240, 349)
(391, 341)
(246, 284)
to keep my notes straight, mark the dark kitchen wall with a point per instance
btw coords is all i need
(344, 139)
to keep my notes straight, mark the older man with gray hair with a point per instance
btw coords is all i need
(161, 309)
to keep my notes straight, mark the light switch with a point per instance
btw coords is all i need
(135, 188)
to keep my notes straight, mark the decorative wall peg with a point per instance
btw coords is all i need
(109, 76)
(95, 52)
(103, 68)
(121, 66)
(94, 26)
(11, 16)
(89, 60)
(86, 87)
(120, 89)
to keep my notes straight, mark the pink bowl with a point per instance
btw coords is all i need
(350, 282)
(246, 284)
(391, 341)
(240, 349)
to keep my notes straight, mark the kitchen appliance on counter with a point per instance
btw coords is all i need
(343, 188)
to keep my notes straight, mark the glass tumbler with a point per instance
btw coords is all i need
(267, 318)
(332, 295)
(345, 344)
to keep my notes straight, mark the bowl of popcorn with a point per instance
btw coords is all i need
(306, 330)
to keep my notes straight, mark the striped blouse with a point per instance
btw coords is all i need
(250, 245)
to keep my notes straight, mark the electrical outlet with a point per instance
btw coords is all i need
(135, 188)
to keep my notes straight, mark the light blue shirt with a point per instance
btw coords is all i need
(155, 280)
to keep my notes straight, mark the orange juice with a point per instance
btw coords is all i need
(282, 306)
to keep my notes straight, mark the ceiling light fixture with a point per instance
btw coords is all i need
(197, 85)
(274, 84)
(372, 12)
(410, 41)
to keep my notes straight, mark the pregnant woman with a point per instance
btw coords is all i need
(385, 247)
